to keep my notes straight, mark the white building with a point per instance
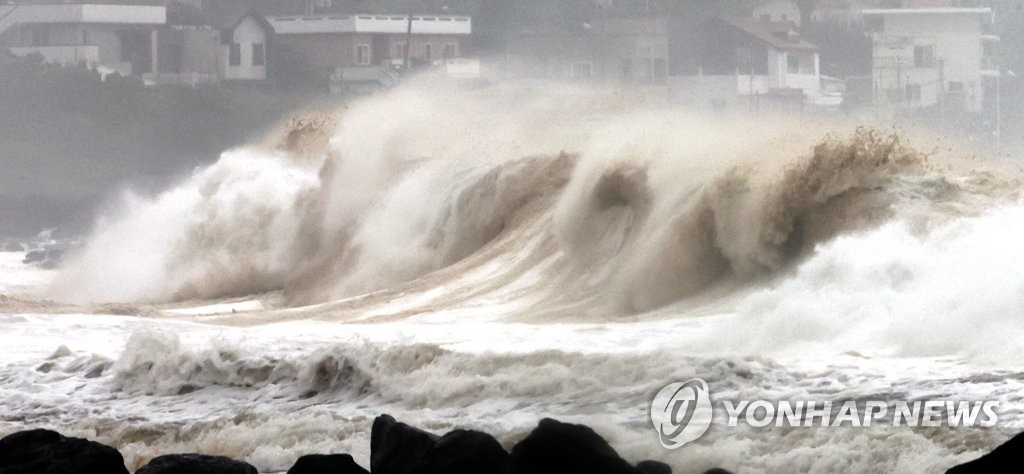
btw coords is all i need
(117, 38)
(244, 48)
(755, 64)
(926, 57)
(361, 53)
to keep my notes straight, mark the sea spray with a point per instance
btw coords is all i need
(651, 207)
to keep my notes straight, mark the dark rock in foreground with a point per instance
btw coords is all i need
(46, 258)
(557, 448)
(464, 452)
(397, 448)
(1007, 457)
(48, 452)
(552, 447)
(195, 464)
(327, 464)
(654, 467)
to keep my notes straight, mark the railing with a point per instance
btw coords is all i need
(393, 24)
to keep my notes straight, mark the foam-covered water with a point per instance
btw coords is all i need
(485, 259)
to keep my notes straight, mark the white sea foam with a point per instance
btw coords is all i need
(485, 259)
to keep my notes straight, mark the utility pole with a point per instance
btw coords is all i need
(999, 108)
(408, 41)
(408, 32)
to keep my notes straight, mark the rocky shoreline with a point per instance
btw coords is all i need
(552, 447)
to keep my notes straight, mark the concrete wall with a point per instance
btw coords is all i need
(110, 48)
(188, 56)
(717, 93)
(201, 52)
(325, 52)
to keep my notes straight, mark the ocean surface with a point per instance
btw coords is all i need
(486, 259)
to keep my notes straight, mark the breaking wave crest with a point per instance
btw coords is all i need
(751, 219)
(572, 209)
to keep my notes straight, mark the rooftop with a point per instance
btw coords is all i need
(781, 35)
(88, 13)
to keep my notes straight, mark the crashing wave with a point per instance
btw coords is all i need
(412, 193)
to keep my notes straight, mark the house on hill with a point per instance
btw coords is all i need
(755, 64)
(363, 52)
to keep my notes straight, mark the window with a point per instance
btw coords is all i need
(400, 50)
(259, 54)
(449, 51)
(363, 54)
(924, 56)
(914, 92)
(792, 63)
(235, 54)
(428, 52)
(956, 86)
